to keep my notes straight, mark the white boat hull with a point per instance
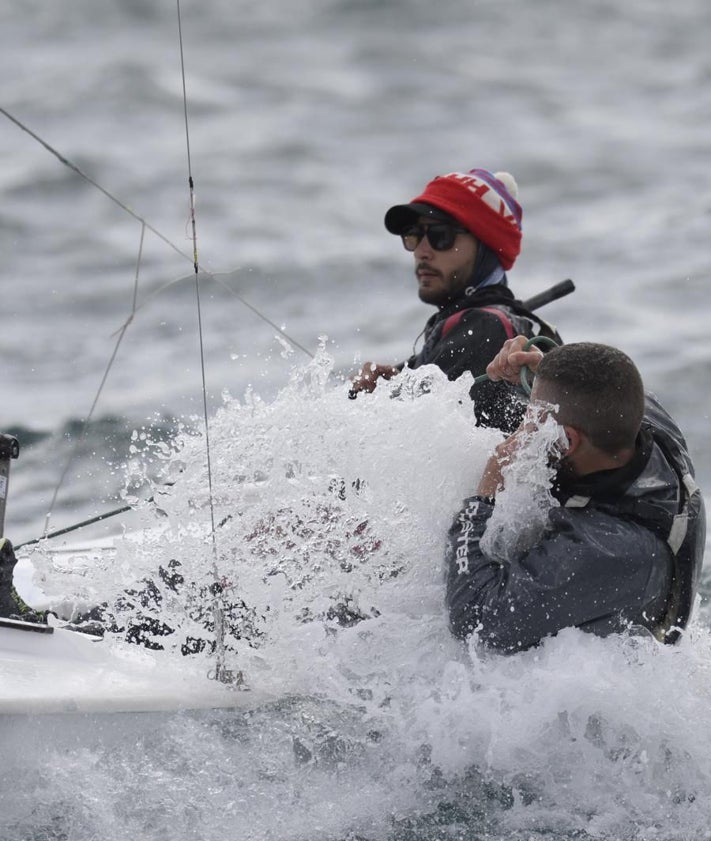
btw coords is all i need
(46, 670)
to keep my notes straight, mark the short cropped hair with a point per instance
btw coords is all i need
(598, 390)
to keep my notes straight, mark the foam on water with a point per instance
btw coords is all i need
(331, 519)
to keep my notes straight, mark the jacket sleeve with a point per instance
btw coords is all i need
(589, 570)
(470, 345)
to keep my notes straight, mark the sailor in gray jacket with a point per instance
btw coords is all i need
(625, 547)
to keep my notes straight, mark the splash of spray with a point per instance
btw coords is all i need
(521, 512)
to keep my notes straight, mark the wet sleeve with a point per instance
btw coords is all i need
(588, 570)
(471, 344)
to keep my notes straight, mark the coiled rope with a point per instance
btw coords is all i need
(526, 376)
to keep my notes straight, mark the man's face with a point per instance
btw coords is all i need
(544, 403)
(442, 275)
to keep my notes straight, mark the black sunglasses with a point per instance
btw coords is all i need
(441, 236)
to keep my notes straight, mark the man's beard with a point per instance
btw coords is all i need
(565, 475)
(449, 288)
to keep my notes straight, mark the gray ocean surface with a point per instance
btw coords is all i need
(307, 120)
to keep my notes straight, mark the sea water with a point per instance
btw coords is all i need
(307, 120)
(330, 519)
(331, 514)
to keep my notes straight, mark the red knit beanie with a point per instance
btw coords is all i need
(482, 202)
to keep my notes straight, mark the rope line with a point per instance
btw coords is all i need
(191, 188)
(220, 673)
(536, 341)
(79, 438)
(71, 165)
(145, 225)
(290, 339)
(91, 181)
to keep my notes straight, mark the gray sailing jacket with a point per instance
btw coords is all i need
(624, 549)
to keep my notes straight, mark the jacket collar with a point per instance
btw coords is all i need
(476, 297)
(606, 484)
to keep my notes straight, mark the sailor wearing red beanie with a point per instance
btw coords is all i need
(464, 232)
(482, 202)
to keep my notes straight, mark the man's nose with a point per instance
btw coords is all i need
(423, 249)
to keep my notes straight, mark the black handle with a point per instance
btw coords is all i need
(9, 446)
(560, 290)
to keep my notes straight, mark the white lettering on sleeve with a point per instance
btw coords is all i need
(465, 537)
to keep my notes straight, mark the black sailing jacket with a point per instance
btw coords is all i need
(624, 549)
(467, 334)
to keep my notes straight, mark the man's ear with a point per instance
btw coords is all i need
(574, 438)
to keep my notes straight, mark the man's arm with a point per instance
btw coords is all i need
(589, 570)
(367, 378)
(470, 346)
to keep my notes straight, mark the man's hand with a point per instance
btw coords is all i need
(367, 378)
(507, 363)
(491, 481)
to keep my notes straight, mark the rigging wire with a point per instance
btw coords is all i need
(217, 278)
(71, 165)
(91, 181)
(220, 673)
(97, 519)
(145, 225)
(80, 437)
